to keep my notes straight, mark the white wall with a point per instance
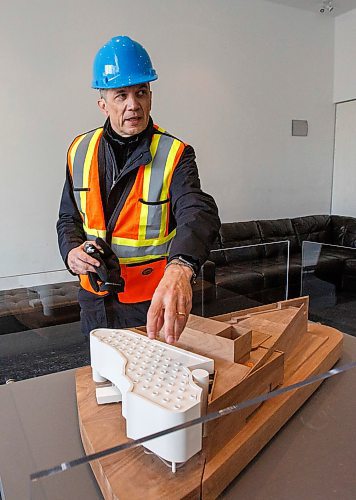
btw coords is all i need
(345, 57)
(343, 195)
(232, 75)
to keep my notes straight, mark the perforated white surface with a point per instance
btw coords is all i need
(158, 372)
(155, 382)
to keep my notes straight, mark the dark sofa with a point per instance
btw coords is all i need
(253, 273)
(260, 272)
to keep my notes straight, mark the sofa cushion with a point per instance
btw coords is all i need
(343, 231)
(275, 270)
(330, 269)
(350, 267)
(278, 230)
(240, 234)
(295, 268)
(240, 278)
(313, 228)
(252, 277)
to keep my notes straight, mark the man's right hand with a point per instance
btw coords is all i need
(80, 262)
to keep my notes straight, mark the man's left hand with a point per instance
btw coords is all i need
(171, 304)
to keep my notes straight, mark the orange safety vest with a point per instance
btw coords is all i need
(140, 239)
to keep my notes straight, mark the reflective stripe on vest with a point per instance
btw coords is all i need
(80, 159)
(141, 250)
(149, 197)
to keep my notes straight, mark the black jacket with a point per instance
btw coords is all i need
(193, 212)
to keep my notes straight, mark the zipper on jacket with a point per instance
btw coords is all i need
(122, 173)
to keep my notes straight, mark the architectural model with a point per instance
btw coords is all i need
(243, 354)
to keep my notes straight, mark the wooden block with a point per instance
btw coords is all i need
(258, 357)
(140, 329)
(234, 316)
(221, 431)
(297, 302)
(206, 345)
(232, 348)
(259, 324)
(226, 393)
(257, 354)
(294, 331)
(307, 346)
(240, 341)
(241, 330)
(222, 468)
(281, 316)
(227, 376)
(283, 335)
(243, 312)
(258, 338)
(238, 319)
(207, 325)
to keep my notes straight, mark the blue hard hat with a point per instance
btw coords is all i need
(122, 62)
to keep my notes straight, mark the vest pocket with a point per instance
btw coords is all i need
(153, 203)
(156, 216)
(141, 280)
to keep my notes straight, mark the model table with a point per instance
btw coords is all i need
(312, 456)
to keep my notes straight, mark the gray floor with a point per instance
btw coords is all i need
(330, 306)
(42, 351)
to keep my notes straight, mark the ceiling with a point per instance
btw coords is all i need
(340, 6)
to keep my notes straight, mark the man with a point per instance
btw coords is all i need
(137, 187)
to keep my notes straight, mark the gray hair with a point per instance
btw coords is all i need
(103, 93)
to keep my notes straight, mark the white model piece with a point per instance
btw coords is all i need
(160, 386)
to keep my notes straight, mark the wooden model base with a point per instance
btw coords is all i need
(255, 351)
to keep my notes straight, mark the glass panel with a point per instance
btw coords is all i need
(73, 484)
(75, 480)
(242, 277)
(39, 325)
(329, 278)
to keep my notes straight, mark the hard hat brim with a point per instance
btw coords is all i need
(117, 83)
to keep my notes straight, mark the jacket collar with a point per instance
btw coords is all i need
(115, 139)
(138, 145)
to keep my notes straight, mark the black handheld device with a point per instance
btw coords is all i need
(107, 277)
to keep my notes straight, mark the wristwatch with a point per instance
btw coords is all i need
(181, 261)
